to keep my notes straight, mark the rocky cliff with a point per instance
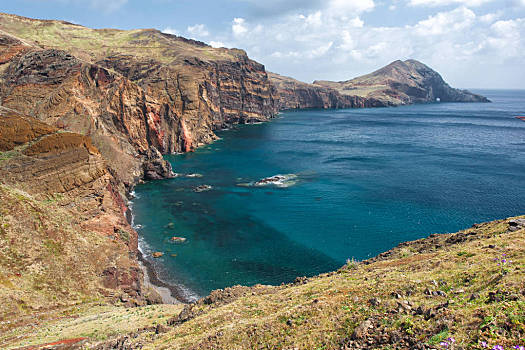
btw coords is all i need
(294, 94)
(63, 236)
(137, 94)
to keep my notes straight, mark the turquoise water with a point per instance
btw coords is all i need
(367, 179)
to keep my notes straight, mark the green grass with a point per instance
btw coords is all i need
(441, 336)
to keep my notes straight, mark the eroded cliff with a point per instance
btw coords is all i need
(63, 236)
(294, 94)
(137, 94)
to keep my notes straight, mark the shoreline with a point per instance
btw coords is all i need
(170, 293)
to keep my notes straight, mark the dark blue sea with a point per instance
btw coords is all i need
(356, 183)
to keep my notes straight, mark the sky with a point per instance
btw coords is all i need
(472, 43)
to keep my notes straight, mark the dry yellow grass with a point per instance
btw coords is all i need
(472, 299)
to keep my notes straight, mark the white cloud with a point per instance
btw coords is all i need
(169, 30)
(446, 22)
(198, 31)
(345, 8)
(507, 37)
(491, 17)
(435, 3)
(321, 50)
(239, 27)
(217, 44)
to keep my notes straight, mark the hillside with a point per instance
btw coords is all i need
(293, 94)
(63, 235)
(136, 93)
(468, 286)
(399, 83)
(402, 82)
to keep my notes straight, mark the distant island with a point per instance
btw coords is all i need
(399, 83)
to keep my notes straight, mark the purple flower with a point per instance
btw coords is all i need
(504, 261)
(452, 340)
(518, 347)
(498, 347)
(484, 344)
(444, 344)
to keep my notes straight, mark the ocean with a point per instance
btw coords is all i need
(355, 183)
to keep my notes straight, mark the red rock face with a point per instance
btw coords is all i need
(67, 167)
(134, 108)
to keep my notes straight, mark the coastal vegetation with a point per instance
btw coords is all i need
(463, 290)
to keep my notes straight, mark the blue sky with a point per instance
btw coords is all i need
(473, 43)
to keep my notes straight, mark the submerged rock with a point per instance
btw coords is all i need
(157, 255)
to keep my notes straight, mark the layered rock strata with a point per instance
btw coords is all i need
(63, 235)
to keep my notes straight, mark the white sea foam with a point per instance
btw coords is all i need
(193, 175)
(202, 188)
(279, 180)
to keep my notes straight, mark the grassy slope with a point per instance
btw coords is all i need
(94, 44)
(325, 312)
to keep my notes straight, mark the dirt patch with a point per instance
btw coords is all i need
(16, 130)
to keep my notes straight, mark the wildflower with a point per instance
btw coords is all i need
(484, 344)
(518, 347)
(444, 344)
(451, 340)
(498, 347)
